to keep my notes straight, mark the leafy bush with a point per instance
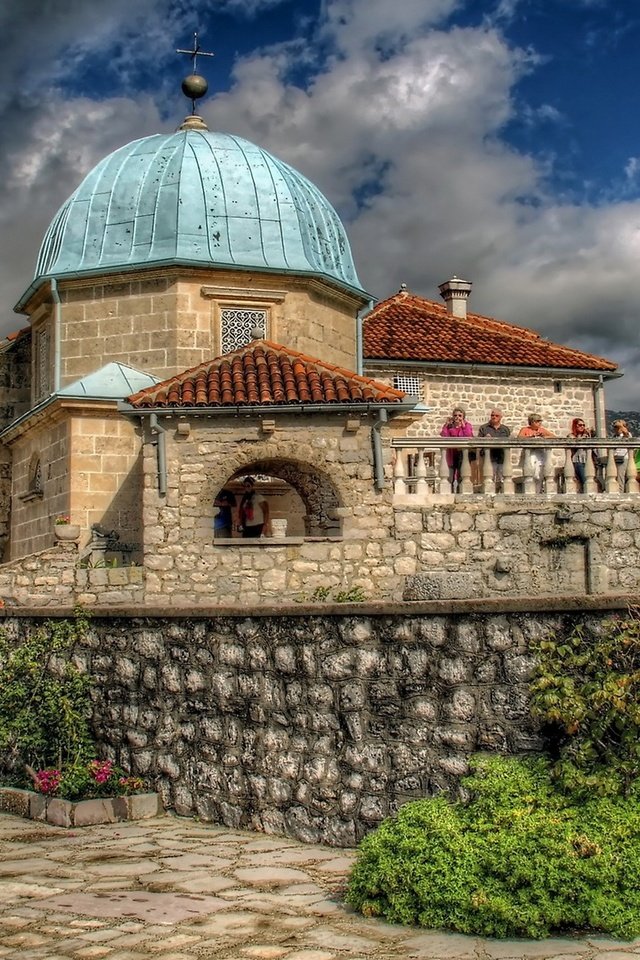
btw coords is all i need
(44, 699)
(586, 692)
(521, 858)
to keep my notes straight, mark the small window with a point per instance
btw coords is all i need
(410, 385)
(557, 386)
(238, 327)
(35, 474)
(42, 348)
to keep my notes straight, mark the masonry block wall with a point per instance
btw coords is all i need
(15, 363)
(313, 726)
(168, 322)
(558, 398)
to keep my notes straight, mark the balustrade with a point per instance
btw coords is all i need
(421, 467)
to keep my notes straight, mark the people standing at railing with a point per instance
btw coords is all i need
(580, 431)
(456, 426)
(495, 429)
(621, 454)
(535, 431)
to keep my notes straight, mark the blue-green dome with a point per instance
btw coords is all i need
(198, 198)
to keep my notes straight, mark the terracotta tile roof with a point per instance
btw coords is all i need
(408, 327)
(264, 374)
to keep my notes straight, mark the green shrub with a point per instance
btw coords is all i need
(44, 699)
(519, 859)
(586, 693)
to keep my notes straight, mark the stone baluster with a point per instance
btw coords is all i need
(590, 485)
(466, 486)
(631, 485)
(611, 473)
(399, 474)
(570, 483)
(443, 486)
(508, 487)
(548, 473)
(488, 483)
(421, 475)
(529, 483)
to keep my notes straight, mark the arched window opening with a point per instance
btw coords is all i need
(301, 501)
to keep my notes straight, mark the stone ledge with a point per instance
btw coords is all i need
(578, 603)
(81, 813)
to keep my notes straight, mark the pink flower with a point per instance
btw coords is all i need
(47, 781)
(101, 770)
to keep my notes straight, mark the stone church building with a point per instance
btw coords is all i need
(196, 317)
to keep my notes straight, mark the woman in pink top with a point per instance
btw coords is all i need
(456, 426)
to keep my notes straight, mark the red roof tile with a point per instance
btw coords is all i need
(408, 327)
(264, 374)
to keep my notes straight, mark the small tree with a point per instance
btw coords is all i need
(44, 698)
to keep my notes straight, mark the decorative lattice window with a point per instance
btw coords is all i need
(238, 327)
(410, 385)
(42, 385)
(35, 474)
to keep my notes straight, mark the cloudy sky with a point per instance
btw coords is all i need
(492, 139)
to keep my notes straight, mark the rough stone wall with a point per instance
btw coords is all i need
(515, 394)
(168, 322)
(313, 726)
(558, 547)
(53, 579)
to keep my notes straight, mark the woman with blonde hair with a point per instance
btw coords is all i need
(621, 454)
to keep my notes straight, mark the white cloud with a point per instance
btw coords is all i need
(402, 128)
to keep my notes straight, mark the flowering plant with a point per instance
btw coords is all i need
(82, 781)
(63, 519)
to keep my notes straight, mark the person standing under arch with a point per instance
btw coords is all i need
(253, 512)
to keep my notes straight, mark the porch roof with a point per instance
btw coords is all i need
(265, 374)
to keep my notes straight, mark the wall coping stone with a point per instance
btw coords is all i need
(81, 813)
(578, 603)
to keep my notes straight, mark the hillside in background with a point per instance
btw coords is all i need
(631, 416)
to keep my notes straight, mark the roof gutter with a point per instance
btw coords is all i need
(55, 296)
(495, 368)
(238, 410)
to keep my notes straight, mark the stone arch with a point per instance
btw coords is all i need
(313, 485)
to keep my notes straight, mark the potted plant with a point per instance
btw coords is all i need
(64, 529)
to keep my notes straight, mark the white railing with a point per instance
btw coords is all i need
(529, 468)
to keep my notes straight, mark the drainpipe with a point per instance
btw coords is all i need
(158, 438)
(361, 314)
(378, 468)
(601, 429)
(55, 296)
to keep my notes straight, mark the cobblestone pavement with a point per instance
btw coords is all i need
(175, 889)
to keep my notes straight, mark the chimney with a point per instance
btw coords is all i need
(455, 293)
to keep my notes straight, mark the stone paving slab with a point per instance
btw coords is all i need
(176, 889)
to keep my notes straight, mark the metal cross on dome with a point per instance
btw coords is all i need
(196, 52)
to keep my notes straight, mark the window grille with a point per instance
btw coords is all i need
(410, 385)
(237, 326)
(35, 475)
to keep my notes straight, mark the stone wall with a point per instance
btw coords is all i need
(313, 724)
(52, 578)
(15, 365)
(557, 397)
(164, 323)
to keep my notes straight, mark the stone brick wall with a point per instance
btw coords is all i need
(514, 393)
(52, 578)
(168, 322)
(313, 725)
(15, 362)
